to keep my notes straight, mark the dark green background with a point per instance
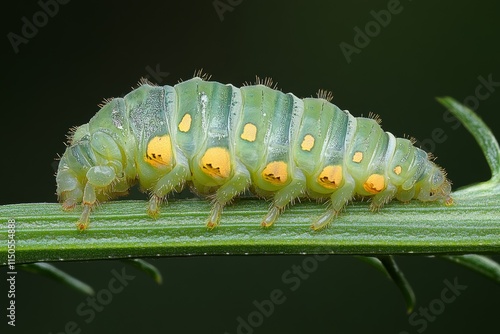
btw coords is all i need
(90, 50)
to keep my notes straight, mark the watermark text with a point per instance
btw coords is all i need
(11, 273)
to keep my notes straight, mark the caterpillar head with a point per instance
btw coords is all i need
(435, 186)
(90, 169)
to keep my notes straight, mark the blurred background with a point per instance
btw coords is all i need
(388, 57)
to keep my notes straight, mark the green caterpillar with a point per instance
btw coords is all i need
(223, 140)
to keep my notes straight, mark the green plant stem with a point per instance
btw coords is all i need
(400, 280)
(482, 134)
(121, 229)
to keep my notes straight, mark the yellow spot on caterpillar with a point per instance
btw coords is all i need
(398, 169)
(276, 172)
(330, 177)
(249, 132)
(185, 123)
(159, 151)
(307, 143)
(357, 157)
(216, 163)
(374, 184)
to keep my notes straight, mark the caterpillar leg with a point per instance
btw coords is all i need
(383, 197)
(174, 179)
(405, 195)
(284, 196)
(97, 177)
(238, 183)
(70, 203)
(89, 200)
(337, 201)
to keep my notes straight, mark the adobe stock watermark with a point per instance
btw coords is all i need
(482, 92)
(156, 74)
(11, 272)
(420, 319)
(223, 6)
(373, 28)
(31, 26)
(88, 309)
(292, 279)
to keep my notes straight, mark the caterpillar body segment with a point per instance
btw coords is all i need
(223, 140)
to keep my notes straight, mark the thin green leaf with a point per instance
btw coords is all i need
(375, 263)
(480, 264)
(52, 272)
(399, 278)
(147, 267)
